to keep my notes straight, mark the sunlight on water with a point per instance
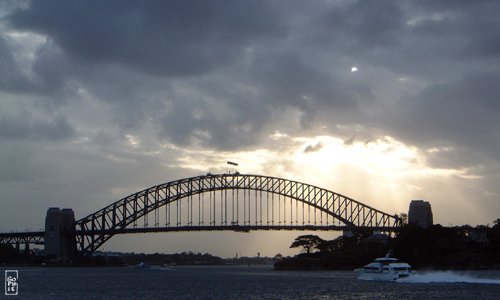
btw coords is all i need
(448, 277)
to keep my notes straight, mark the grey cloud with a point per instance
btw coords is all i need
(22, 127)
(425, 39)
(474, 24)
(11, 78)
(285, 79)
(461, 113)
(158, 37)
(361, 25)
(19, 163)
(485, 49)
(458, 157)
(313, 148)
(101, 45)
(52, 70)
(232, 124)
(46, 76)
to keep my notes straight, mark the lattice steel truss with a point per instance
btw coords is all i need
(238, 202)
(28, 237)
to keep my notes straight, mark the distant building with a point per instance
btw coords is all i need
(420, 213)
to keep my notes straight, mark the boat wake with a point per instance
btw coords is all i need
(447, 277)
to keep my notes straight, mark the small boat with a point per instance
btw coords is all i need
(385, 268)
(142, 265)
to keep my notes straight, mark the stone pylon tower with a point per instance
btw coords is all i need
(60, 241)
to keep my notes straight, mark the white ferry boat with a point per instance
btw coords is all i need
(385, 268)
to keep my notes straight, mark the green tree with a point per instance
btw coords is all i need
(308, 242)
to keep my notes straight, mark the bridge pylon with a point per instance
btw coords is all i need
(60, 239)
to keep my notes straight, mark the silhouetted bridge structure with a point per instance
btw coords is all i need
(235, 202)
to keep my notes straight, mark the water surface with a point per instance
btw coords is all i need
(230, 282)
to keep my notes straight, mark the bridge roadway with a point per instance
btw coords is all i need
(27, 237)
(37, 237)
(216, 202)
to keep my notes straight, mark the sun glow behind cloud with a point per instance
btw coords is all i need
(382, 157)
(379, 173)
(383, 173)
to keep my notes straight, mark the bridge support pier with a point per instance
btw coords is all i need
(27, 249)
(60, 240)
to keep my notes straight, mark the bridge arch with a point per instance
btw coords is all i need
(121, 216)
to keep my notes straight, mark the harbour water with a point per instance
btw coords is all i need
(237, 282)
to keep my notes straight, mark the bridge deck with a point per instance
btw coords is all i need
(27, 237)
(37, 237)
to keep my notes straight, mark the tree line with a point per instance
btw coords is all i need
(437, 247)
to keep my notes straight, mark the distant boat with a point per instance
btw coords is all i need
(142, 265)
(168, 266)
(385, 268)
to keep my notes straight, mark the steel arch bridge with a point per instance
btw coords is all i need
(236, 202)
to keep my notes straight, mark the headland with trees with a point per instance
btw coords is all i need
(435, 247)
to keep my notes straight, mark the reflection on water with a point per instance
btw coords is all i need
(244, 283)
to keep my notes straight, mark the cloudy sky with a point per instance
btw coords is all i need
(384, 101)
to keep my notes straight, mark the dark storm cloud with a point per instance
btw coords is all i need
(362, 25)
(474, 22)
(102, 45)
(175, 38)
(462, 113)
(230, 124)
(288, 59)
(427, 39)
(46, 76)
(52, 71)
(288, 80)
